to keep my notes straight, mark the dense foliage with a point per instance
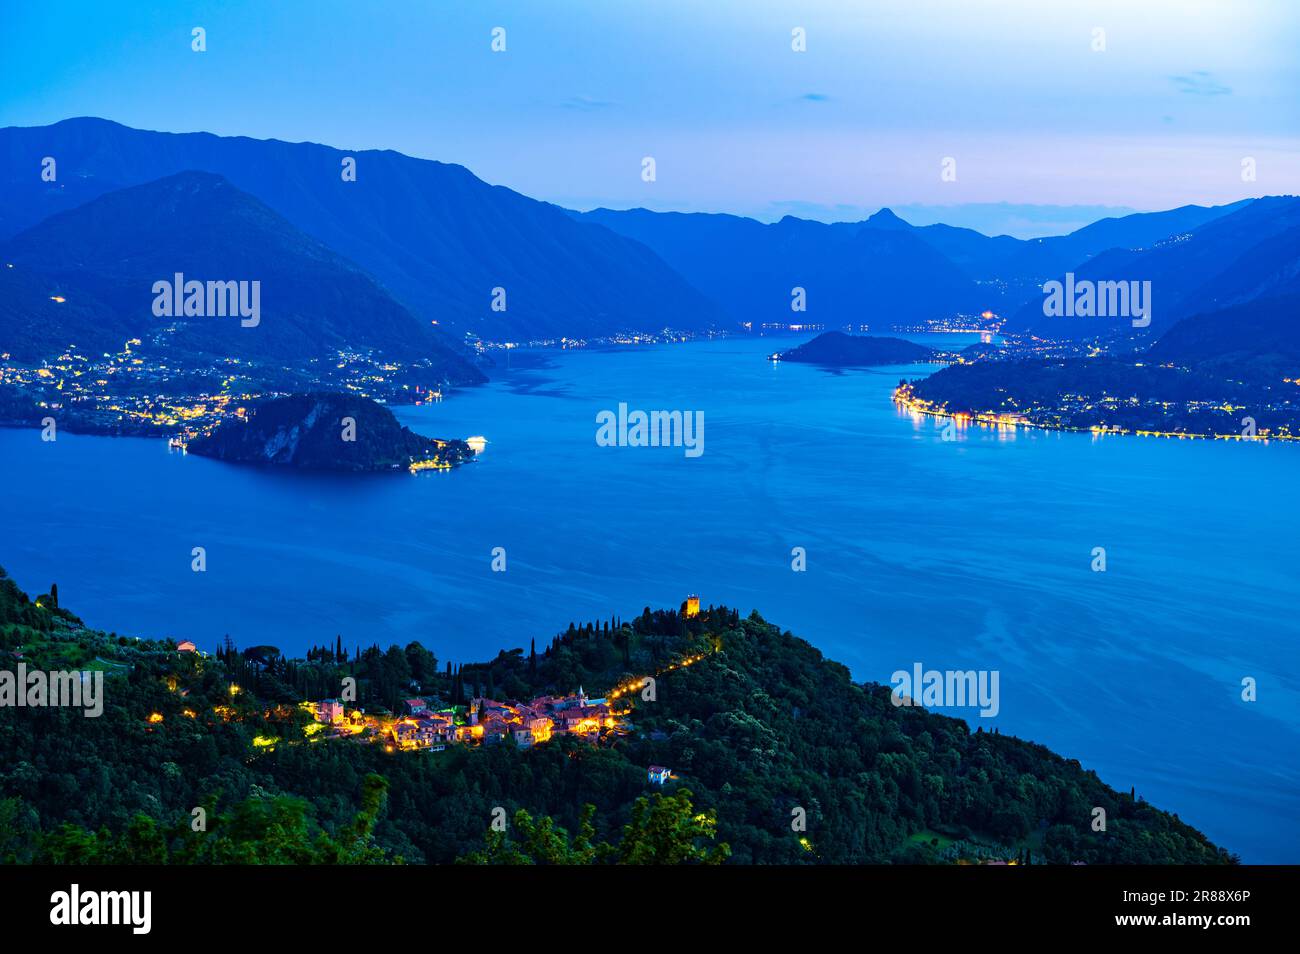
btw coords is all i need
(325, 431)
(762, 730)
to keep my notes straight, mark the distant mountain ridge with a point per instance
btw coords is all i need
(436, 237)
(467, 257)
(109, 253)
(881, 268)
(1258, 341)
(1252, 252)
(862, 275)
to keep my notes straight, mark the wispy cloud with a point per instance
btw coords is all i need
(815, 97)
(1200, 83)
(586, 103)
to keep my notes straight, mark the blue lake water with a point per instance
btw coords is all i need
(971, 554)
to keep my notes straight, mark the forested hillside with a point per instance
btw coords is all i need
(758, 726)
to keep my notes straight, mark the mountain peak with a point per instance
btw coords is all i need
(886, 219)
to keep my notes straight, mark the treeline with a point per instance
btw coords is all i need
(261, 830)
(603, 652)
(787, 757)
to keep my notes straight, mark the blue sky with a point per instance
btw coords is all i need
(1039, 121)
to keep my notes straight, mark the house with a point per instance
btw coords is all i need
(494, 729)
(658, 774)
(469, 733)
(539, 726)
(434, 729)
(580, 721)
(416, 706)
(330, 712)
(185, 646)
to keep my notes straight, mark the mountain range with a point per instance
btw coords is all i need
(435, 236)
(414, 257)
(104, 257)
(881, 271)
(1251, 252)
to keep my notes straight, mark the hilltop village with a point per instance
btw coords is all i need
(487, 721)
(483, 722)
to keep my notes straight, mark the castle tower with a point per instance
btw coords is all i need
(691, 608)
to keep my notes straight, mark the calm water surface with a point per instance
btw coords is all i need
(967, 554)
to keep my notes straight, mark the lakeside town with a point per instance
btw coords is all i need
(1073, 408)
(138, 391)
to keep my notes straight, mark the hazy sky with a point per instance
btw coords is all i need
(736, 120)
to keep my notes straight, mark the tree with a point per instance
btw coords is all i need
(424, 665)
(665, 830)
(19, 824)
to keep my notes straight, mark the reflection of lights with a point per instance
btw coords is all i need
(476, 443)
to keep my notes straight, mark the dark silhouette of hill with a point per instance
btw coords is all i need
(1252, 252)
(1259, 340)
(109, 253)
(437, 237)
(307, 431)
(834, 348)
(877, 276)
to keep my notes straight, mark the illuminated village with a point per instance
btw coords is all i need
(1050, 418)
(488, 721)
(483, 722)
(143, 390)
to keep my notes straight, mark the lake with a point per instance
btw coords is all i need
(967, 554)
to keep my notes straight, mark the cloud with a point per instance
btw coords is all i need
(586, 103)
(1200, 83)
(815, 97)
(1022, 220)
(818, 211)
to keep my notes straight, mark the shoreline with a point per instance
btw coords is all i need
(903, 397)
